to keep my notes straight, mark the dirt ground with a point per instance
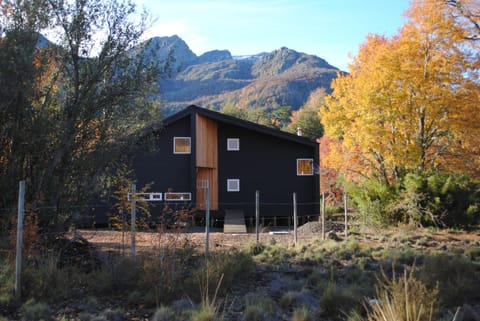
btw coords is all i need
(147, 241)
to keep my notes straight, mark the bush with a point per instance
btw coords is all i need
(43, 279)
(229, 267)
(437, 198)
(302, 314)
(373, 198)
(164, 314)
(336, 302)
(36, 311)
(456, 277)
(255, 313)
(427, 199)
(7, 281)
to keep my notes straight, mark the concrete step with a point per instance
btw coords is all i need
(234, 221)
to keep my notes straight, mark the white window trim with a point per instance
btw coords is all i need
(232, 180)
(148, 197)
(169, 194)
(232, 140)
(174, 144)
(305, 159)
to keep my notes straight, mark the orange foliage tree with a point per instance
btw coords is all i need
(409, 102)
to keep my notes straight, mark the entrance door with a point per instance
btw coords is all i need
(211, 175)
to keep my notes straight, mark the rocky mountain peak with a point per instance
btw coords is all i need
(214, 56)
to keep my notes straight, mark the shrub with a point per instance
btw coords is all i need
(230, 267)
(44, 279)
(258, 307)
(302, 314)
(6, 281)
(336, 302)
(205, 313)
(164, 314)
(116, 273)
(438, 198)
(36, 311)
(456, 277)
(373, 198)
(255, 313)
(288, 300)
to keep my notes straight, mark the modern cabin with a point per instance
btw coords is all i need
(197, 147)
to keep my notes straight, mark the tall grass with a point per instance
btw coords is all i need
(403, 298)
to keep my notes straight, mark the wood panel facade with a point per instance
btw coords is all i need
(206, 142)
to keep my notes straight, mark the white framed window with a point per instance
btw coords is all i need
(233, 144)
(233, 185)
(149, 197)
(304, 166)
(181, 145)
(178, 197)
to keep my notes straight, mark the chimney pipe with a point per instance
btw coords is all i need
(299, 131)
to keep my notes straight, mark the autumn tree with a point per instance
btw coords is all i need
(410, 102)
(70, 108)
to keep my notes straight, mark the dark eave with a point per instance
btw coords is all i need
(192, 109)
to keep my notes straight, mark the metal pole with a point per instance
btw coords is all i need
(18, 262)
(257, 214)
(295, 236)
(323, 216)
(346, 213)
(207, 218)
(133, 219)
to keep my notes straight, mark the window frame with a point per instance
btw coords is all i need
(311, 166)
(169, 199)
(175, 145)
(233, 180)
(233, 149)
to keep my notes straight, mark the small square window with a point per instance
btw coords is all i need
(304, 167)
(181, 145)
(233, 185)
(233, 144)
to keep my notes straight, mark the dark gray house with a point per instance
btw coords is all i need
(237, 158)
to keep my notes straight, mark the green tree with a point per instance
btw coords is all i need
(274, 117)
(308, 116)
(74, 106)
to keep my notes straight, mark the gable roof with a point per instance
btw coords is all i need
(227, 119)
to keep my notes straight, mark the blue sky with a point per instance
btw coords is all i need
(331, 29)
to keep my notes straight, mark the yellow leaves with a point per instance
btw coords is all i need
(406, 98)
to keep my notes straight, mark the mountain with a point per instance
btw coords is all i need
(283, 77)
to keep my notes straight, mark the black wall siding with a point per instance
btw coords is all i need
(268, 164)
(164, 168)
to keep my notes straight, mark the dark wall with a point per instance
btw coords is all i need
(268, 164)
(164, 168)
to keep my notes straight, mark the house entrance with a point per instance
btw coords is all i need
(210, 175)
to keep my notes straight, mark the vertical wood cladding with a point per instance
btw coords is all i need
(206, 143)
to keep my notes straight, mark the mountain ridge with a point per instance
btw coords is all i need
(283, 77)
